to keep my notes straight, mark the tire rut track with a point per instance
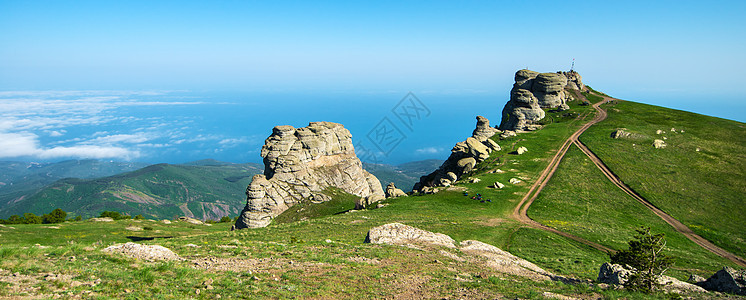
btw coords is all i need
(520, 212)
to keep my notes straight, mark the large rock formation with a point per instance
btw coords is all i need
(575, 81)
(532, 92)
(464, 157)
(299, 164)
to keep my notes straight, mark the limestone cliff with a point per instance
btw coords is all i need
(464, 156)
(532, 92)
(299, 164)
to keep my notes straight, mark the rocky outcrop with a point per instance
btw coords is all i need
(727, 280)
(299, 165)
(532, 92)
(143, 252)
(393, 192)
(400, 234)
(575, 81)
(474, 251)
(464, 157)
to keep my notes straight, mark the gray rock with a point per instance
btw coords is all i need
(549, 89)
(191, 220)
(492, 145)
(393, 192)
(299, 164)
(522, 111)
(144, 252)
(400, 234)
(466, 164)
(498, 185)
(613, 274)
(483, 130)
(659, 144)
(727, 280)
(521, 150)
(696, 279)
(575, 81)
(622, 133)
(451, 176)
(477, 150)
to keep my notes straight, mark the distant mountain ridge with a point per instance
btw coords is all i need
(204, 189)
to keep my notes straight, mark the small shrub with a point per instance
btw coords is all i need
(30, 218)
(225, 219)
(139, 217)
(645, 255)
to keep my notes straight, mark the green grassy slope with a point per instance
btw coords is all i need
(157, 191)
(703, 189)
(581, 201)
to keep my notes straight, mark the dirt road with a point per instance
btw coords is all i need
(520, 213)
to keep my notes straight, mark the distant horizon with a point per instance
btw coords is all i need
(177, 81)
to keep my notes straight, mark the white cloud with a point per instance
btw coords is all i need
(27, 144)
(120, 138)
(429, 150)
(57, 133)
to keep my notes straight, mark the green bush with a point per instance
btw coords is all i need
(56, 216)
(645, 255)
(225, 219)
(30, 218)
(139, 217)
(114, 215)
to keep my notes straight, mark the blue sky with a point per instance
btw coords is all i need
(682, 54)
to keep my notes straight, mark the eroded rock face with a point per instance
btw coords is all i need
(532, 92)
(393, 192)
(464, 157)
(400, 234)
(299, 164)
(575, 81)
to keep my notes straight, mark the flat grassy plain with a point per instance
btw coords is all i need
(312, 256)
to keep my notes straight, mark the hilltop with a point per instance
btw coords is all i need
(695, 178)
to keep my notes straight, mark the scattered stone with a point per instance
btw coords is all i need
(393, 192)
(521, 150)
(492, 145)
(106, 219)
(622, 133)
(507, 133)
(659, 144)
(659, 131)
(327, 241)
(300, 164)
(400, 234)
(166, 221)
(144, 252)
(498, 185)
(504, 261)
(365, 202)
(697, 149)
(514, 181)
(475, 180)
(727, 280)
(192, 246)
(191, 220)
(550, 295)
(133, 228)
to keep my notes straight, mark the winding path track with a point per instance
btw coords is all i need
(520, 213)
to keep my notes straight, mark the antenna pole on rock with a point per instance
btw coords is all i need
(573, 65)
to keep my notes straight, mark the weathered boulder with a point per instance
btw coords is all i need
(464, 157)
(483, 130)
(393, 192)
(514, 181)
(503, 260)
(727, 280)
(368, 201)
(498, 185)
(191, 220)
(144, 252)
(521, 150)
(613, 274)
(400, 234)
(623, 133)
(466, 164)
(659, 144)
(299, 164)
